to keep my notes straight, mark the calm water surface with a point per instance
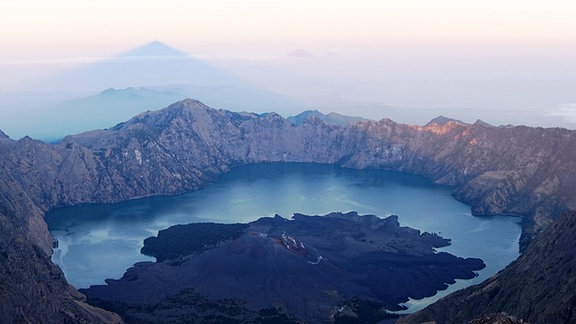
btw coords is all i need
(101, 241)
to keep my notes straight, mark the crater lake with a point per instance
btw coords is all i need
(100, 241)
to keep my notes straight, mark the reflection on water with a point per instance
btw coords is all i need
(101, 241)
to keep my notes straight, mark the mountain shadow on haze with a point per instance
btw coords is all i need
(148, 77)
(152, 64)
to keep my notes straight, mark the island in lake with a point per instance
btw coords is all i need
(308, 268)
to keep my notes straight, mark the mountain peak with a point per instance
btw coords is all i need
(443, 120)
(329, 119)
(154, 49)
(191, 103)
(482, 123)
(185, 107)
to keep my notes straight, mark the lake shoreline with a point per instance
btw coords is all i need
(361, 257)
(102, 230)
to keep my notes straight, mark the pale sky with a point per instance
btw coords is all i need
(36, 29)
(482, 54)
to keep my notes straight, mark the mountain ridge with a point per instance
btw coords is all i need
(443, 120)
(496, 170)
(114, 105)
(330, 118)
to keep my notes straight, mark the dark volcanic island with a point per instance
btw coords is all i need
(310, 268)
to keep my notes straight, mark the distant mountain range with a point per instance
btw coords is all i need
(442, 120)
(112, 106)
(329, 119)
(155, 75)
(146, 78)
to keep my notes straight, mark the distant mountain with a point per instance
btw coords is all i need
(483, 123)
(152, 64)
(441, 121)
(112, 106)
(102, 110)
(238, 98)
(330, 119)
(145, 78)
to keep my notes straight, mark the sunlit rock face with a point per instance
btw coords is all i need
(497, 170)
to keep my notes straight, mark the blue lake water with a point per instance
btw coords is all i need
(100, 241)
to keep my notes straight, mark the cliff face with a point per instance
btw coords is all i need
(539, 287)
(516, 170)
(32, 288)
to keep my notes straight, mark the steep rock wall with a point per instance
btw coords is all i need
(539, 287)
(514, 170)
(32, 288)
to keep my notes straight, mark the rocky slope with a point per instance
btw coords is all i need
(513, 170)
(310, 266)
(539, 287)
(32, 288)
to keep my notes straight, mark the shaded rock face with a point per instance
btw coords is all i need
(32, 288)
(539, 287)
(510, 170)
(500, 318)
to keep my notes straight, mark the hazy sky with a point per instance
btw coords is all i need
(37, 29)
(489, 54)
